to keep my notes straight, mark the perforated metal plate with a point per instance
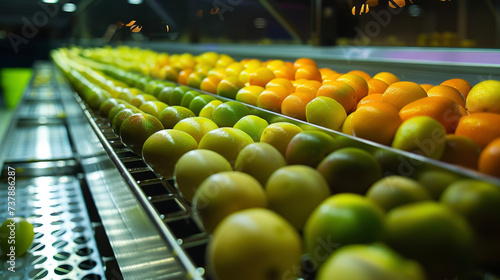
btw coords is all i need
(64, 246)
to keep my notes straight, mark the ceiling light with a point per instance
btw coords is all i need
(135, 2)
(50, 1)
(69, 7)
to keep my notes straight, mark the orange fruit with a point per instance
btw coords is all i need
(279, 135)
(401, 93)
(274, 64)
(260, 76)
(426, 87)
(153, 107)
(376, 121)
(359, 84)
(449, 92)
(304, 61)
(340, 91)
(331, 77)
(210, 84)
(249, 94)
(195, 79)
(285, 72)
(439, 108)
(482, 128)
(184, 76)
(386, 77)
(460, 84)
(310, 86)
(229, 87)
(326, 112)
(218, 72)
(374, 97)
(376, 86)
(281, 82)
(309, 72)
(362, 74)
(346, 126)
(234, 69)
(135, 129)
(271, 98)
(489, 160)
(326, 71)
(295, 104)
(462, 151)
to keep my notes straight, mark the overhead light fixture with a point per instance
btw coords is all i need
(69, 7)
(50, 1)
(135, 2)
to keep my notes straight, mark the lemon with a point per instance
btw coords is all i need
(171, 115)
(279, 134)
(228, 113)
(196, 126)
(326, 112)
(208, 109)
(421, 135)
(226, 141)
(195, 166)
(484, 97)
(153, 107)
(294, 191)
(254, 244)
(252, 125)
(226, 192)
(162, 150)
(259, 160)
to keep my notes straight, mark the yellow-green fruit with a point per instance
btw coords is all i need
(171, 115)
(226, 141)
(228, 113)
(16, 236)
(254, 244)
(135, 129)
(326, 112)
(252, 125)
(224, 193)
(196, 127)
(309, 148)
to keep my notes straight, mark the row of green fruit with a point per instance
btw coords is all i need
(271, 192)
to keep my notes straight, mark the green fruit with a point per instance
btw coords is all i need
(188, 97)
(16, 236)
(199, 102)
(177, 94)
(309, 148)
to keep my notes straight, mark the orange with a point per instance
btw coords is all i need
(249, 94)
(271, 99)
(295, 104)
(285, 72)
(326, 71)
(304, 61)
(309, 72)
(340, 91)
(460, 150)
(251, 63)
(234, 69)
(274, 64)
(376, 121)
(183, 76)
(448, 92)
(375, 97)
(362, 74)
(346, 126)
(279, 135)
(229, 87)
(281, 82)
(386, 77)
(426, 87)
(331, 77)
(359, 84)
(482, 128)
(401, 93)
(460, 84)
(376, 86)
(260, 76)
(210, 84)
(218, 72)
(439, 108)
(489, 160)
(137, 128)
(307, 86)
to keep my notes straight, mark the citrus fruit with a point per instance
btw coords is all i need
(165, 93)
(198, 102)
(375, 261)
(140, 99)
(285, 72)
(226, 141)
(135, 129)
(386, 77)
(16, 236)
(188, 97)
(376, 121)
(307, 86)
(294, 191)
(359, 84)
(208, 109)
(229, 113)
(460, 84)
(252, 125)
(448, 92)
(426, 87)
(326, 112)
(440, 108)
(434, 235)
(347, 125)
(259, 160)
(196, 127)
(279, 135)
(362, 74)
(309, 148)
(350, 170)
(421, 135)
(484, 97)
(376, 86)
(294, 105)
(192, 168)
(299, 62)
(479, 203)
(271, 98)
(260, 76)
(153, 107)
(120, 117)
(489, 159)
(194, 79)
(249, 94)
(341, 92)
(253, 244)
(171, 115)
(374, 97)
(393, 191)
(116, 109)
(107, 105)
(226, 192)
(308, 72)
(401, 93)
(229, 87)
(184, 76)
(461, 151)
(210, 84)
(162, 150)
(234, 69)
(281, 82)
(340, 220)
(435, 180)
(176, 95)
(482, 128)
